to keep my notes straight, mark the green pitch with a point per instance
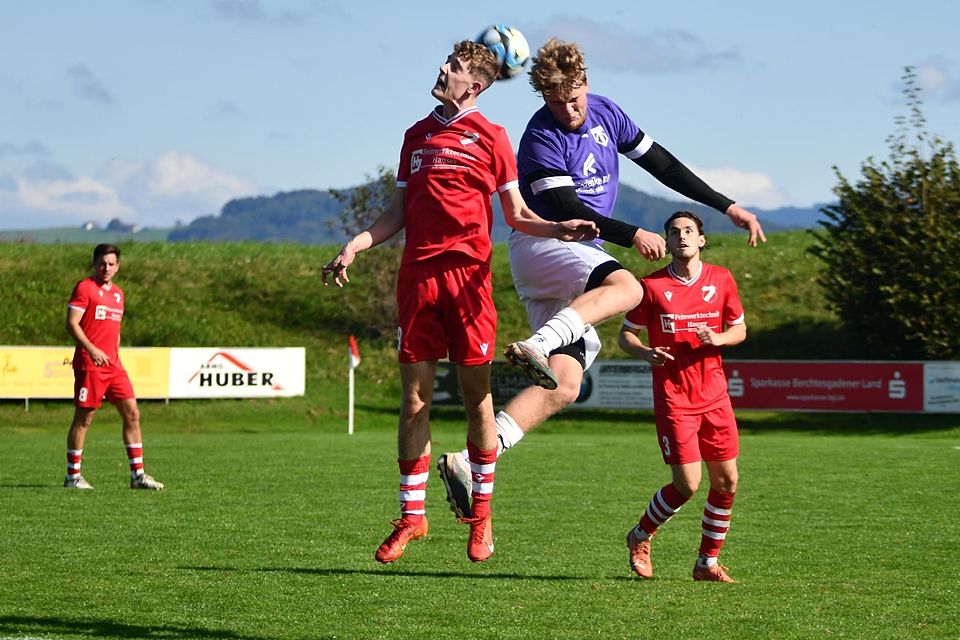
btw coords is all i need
(844, 528)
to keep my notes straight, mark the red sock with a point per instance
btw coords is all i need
(716, 522)
(663, 505)
(73, 462)
(483, 462)
(135, 458)
(413, 487)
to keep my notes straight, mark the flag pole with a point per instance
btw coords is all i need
(350, 410)
(353, 357)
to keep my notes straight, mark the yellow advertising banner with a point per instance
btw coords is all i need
(47, 372)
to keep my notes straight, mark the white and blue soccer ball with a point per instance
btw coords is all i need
(510, 47)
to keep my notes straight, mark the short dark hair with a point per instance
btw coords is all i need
(678, 214)
(103, 249)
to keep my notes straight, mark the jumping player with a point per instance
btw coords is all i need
(93, 319)
(690, 309)
(569, 166)
(450, 164)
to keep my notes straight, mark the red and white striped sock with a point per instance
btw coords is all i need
(135, 458)
(664, 503)
(483, 463)
(716, 523)
(73, 463)
(413, 487)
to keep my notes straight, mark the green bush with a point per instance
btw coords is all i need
(891, 246)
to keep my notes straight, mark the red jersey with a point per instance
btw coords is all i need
(450, 168)
(672, 310)
(102, 308)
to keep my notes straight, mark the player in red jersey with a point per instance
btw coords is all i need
(93, 319)
(450, 164)
(690, 309)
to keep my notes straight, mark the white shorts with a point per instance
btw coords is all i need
(548, 274)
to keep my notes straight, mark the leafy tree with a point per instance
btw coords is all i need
(891, 245)
(372, 311)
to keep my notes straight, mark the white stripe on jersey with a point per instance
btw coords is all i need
(550, 183)
(642, 147)
(509, 185)
(438, 114)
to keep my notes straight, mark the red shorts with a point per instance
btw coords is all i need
(91, 386)
(708, 436)
(445, 309)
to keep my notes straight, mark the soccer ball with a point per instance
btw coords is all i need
(510, 47)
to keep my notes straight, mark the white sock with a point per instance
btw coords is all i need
(706, 561)
(566, 327)
(509, 434)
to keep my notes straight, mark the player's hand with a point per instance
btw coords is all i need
(338, 267)
(577, 230)
(658, 356)
(709, 336)
(99, 357)
(746, 220)
(650, 245)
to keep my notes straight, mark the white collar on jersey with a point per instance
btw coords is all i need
(685, 281)
(438, 114)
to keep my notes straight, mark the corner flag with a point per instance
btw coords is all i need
(354, 353)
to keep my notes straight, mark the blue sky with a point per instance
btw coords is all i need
(155, 111)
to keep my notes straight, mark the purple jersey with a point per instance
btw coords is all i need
(586, 159)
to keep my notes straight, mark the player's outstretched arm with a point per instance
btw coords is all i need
(663, 166)
(389, 224)
(519, 216)
(746, 220)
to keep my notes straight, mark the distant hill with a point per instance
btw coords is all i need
(301, 216)
(293, 216)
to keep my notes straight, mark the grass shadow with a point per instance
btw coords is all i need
(397, 572)
(95, 628)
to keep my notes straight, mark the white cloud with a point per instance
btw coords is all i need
(934, 77)
(174, 186)
(660, 51)
(154, 193)
(748, 188)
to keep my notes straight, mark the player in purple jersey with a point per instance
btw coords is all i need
(568, 164)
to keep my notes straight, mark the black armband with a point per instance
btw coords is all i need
(661, 164)
(562, 203)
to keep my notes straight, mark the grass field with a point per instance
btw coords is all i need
(844, 528)
(844, 524)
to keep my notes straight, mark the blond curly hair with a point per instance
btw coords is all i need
(481, 61)
(558, 68)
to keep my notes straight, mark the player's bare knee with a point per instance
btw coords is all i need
(687, 486)
(566, 393)
(628, 290)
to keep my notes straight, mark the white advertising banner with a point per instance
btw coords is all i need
(941, 388)
(616, 384)
(237, 373)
